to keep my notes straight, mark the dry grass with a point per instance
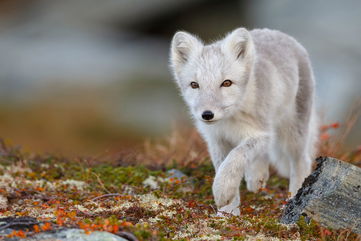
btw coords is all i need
(186, 147)
(332, 143)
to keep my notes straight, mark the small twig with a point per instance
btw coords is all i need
(2, 227)
(16, 222)
(340, 235)
(100, 182)
(107, 195)
(215, 211)
(88, 214)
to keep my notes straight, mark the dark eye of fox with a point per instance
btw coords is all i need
(194, 85)
(226, 83)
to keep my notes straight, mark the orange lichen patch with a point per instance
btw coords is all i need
(105, 225)
(126, 224)
(45, 206)
(115, 228)
(19, 233)
(46, 226)
(40, 189)
(247, 210)
(36, 228)
(175, 180)
(59, 221)
(21, 213)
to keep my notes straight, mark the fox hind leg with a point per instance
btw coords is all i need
(257, 173)
(303, 141)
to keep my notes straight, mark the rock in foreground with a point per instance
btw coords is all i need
(331, 195)
(73, 235)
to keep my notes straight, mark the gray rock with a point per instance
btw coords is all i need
(4, 232)
(331, 195)
(175, 173)
(73, 235)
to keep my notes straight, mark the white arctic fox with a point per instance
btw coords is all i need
(252, 98)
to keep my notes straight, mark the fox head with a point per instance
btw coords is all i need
(212, 78)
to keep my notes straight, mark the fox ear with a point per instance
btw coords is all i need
(183, 46)
(238, 43)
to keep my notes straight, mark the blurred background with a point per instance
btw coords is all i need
(84, 77)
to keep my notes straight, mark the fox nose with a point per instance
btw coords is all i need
(207, 115)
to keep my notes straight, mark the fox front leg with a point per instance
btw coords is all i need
(231, 171)
(218, 150)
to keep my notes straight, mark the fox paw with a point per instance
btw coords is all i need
(224, 190)
(229, 210)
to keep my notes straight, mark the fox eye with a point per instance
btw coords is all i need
(226, 83)
(194, 85)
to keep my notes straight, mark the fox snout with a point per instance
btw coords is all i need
(207, 115)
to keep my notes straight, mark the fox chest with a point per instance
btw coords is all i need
(231, 132)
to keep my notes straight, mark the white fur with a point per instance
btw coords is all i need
(267, 116)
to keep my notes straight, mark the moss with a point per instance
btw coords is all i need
(143, 234)
(114, 177)
(278, 182)
(308, 230)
